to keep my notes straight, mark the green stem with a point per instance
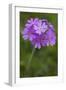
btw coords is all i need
(30, 59)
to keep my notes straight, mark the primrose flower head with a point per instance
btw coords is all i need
(39, 32)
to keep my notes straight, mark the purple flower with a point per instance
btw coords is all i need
(40, 40)
(39, 32)
(41, 27)
(51, 37)
(28, 34)
(31, 22)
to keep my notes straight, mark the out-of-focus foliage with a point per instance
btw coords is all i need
(45, 60)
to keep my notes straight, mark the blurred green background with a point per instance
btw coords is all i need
(45, 60)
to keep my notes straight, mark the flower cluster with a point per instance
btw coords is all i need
(39, 32)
